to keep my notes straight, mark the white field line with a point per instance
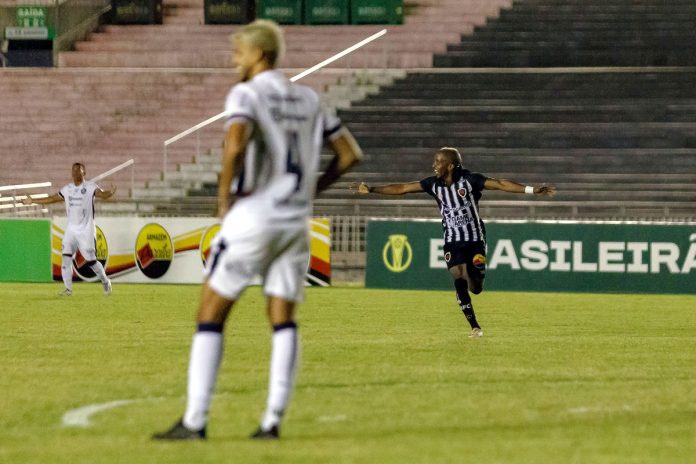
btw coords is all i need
(600, 409)
(80, 417)
(334, 418)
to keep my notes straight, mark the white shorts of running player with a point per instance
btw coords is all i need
(278, 254)
(82, 239)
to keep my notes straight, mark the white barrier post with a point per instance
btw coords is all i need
(299, 76)
(112, 170)
(13, 198)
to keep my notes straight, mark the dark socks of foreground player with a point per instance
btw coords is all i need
(464, 300)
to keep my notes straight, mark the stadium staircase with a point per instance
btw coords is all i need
(126, 89)
(597, 97)
(551, 33)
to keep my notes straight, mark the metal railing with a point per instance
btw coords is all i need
(11, 204)
(196, 128)
(426, 208)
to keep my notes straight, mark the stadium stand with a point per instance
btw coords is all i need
(618, 142)
(547, 33)
(616, 136)
(615, 144)
(117, 97)
(182, 41)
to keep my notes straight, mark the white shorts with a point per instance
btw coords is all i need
(277, 253)
(81, 239)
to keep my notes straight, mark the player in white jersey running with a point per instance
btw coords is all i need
(275, 131)
(80, 233)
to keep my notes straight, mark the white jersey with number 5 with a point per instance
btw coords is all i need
(278, 179)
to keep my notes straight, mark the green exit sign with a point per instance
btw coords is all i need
(31, 16)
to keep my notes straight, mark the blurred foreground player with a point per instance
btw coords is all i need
(457, 192)
(275, 131)
(80, 233)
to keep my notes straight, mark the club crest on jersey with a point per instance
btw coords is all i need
(479, 261)
(83, 190)
(462, 192)
(448, 256)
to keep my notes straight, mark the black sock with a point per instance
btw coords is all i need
(464, 301)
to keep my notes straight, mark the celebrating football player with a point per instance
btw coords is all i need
(457, 192)
(80, 233)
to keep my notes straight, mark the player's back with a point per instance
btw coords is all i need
(279, 175)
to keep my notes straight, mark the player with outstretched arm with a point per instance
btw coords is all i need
(457, 192)
(275, 131)
(80, 233)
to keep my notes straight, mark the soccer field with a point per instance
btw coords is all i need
(385, 377)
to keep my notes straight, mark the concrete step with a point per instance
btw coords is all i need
(337, 32)
(220, 59)
(116, 207)
(173, 183)
(350, 93)
(205, 172)
(163, 192)
(177, 20)
(209, 159)
(165, 44)
(580, 58)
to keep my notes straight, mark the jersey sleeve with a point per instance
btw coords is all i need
(331, 124)
(477, 180)
(427, 184)
(63, 191)
(239, 105)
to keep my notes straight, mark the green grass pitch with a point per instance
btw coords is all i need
(385, 377)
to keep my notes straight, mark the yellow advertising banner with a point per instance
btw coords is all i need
(169, 250)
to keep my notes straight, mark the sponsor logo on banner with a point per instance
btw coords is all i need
(153, 250)
(611, 256)
(102, 252)
(397, 253)
(319, 272)
(541, 256)
(173, 250)
(206, 240)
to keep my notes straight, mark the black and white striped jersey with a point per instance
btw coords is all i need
(459, 205)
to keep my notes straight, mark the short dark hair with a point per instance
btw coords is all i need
(453, 155)
(79, 164)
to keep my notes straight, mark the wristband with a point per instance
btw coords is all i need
(529, 190)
